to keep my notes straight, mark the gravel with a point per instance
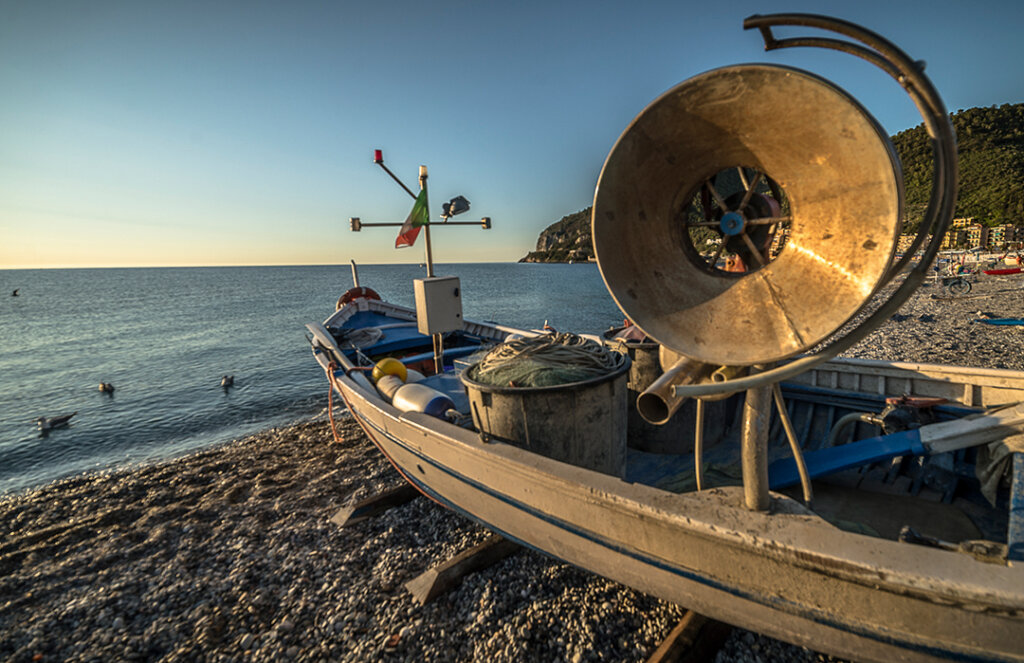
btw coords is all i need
(229, 555)
(936, 327)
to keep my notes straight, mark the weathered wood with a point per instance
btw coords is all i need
(695, 638)
(369, 507)
(439, 579)
(1015, 533)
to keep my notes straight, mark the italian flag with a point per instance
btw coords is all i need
(419, 216)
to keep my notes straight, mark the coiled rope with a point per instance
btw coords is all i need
(546, 361)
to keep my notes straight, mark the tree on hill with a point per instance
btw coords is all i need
(990, 147)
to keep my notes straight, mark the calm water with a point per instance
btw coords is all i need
(164, 338)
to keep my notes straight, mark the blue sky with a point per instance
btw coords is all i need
(208, 133)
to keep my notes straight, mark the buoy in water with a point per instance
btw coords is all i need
(106, 387)
(227, 381)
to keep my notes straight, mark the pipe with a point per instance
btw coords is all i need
(658, 403)
(794, 446)
(724, 374)
(698, 446)
(757, 411)
(837, 430)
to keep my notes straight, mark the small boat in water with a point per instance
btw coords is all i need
(727, 458)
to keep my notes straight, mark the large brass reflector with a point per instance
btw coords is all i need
(839, 178)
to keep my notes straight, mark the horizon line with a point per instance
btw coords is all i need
(326, 264)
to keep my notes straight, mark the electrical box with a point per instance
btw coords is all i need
(438, 304)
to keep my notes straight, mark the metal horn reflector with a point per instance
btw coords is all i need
(777, 172)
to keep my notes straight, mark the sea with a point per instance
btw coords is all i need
(164, 338)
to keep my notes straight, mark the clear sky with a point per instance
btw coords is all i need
(242, 133)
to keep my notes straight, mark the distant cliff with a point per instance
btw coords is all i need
(568, 239)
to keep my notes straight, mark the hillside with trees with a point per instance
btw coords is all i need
(990, 146)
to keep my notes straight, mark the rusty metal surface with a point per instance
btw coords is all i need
(838, 171)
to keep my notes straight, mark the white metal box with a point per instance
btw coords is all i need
(438, 304)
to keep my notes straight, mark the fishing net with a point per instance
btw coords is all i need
(545, 361)
(357, 338)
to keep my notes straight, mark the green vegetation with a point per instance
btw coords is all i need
(990, 145)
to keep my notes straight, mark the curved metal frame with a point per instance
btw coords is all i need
(910, 75)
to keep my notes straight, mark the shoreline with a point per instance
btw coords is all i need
(227, 554)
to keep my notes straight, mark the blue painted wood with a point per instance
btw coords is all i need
(1015, 531)
(449, 353)
(783, 473)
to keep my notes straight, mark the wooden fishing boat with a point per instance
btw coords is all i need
(899, 557)
(728, 458)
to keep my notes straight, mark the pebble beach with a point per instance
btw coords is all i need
(229, 554)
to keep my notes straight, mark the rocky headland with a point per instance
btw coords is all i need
(566, 240)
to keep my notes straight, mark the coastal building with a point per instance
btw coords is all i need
(954, 238)
(977, 236)
(997, 236)
(957, 234)
(1006, 237)
(903, 243)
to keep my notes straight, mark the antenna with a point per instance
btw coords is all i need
(456, 205)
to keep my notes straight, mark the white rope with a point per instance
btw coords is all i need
(546, 360)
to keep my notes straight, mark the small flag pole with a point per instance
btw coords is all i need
(437, 339)
(426, 227)
(378, 158)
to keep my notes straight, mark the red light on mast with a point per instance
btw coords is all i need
(378, 156)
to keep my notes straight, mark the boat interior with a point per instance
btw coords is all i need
(865, 481)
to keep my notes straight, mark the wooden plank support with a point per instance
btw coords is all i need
(439, 579)
(695, 638)
(374, 505)
(1015, 533)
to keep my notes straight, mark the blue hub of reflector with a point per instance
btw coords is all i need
(732, 223)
